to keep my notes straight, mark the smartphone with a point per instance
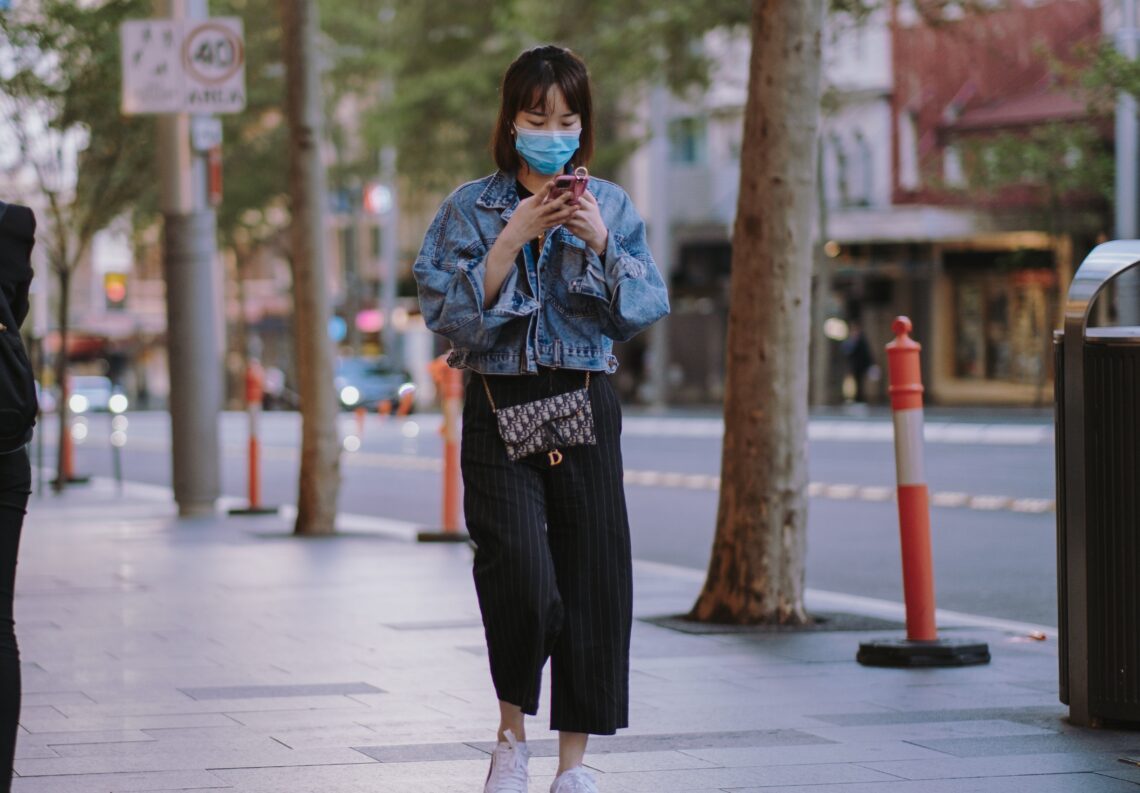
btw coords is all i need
(572, 183)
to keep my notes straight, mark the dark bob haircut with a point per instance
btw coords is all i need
(526, 86)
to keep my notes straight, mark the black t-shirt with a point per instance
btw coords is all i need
(520, 260)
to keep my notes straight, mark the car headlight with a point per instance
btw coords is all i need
(118, 403)
(78, 403)
(349, 395)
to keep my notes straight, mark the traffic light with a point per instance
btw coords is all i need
(115, 291)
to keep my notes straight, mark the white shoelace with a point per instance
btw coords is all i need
(508, 767)
(576, 780)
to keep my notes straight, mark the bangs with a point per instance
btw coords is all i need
(538, 94)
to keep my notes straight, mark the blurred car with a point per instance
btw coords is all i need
(94, 393)
(366, 382)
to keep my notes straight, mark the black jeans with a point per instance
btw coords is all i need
(15, 487)
(552, 565)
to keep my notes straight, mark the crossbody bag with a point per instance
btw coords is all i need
(546, 425)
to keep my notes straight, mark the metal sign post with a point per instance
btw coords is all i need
(183, 68)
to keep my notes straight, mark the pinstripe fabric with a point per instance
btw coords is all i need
(552, 565)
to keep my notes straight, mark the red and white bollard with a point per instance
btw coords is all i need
(922, 647)
(254, 393)
(913, 495)
(449, 383)
(71, 430)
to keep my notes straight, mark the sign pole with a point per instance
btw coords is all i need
(194, 330)
(389, 257)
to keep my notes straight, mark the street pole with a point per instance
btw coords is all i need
(352, 279)
(194, 335)
(1128, 284)
(660, 240)
(389, 256)
(821, 291)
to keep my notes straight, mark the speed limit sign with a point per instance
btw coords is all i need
(213, 60)
(212, 54)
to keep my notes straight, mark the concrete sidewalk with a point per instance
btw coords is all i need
(224, 654)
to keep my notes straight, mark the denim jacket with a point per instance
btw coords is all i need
(577, 305)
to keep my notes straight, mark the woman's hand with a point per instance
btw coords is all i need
(537, 214)
(587, 225)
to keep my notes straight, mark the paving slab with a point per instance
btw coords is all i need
(224, 654)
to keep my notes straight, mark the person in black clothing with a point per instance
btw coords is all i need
(17, 235)
(859, 360)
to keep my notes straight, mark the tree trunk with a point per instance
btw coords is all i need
(756, 573)
(63, 410)
(320, 446)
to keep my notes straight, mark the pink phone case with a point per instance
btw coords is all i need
(575, 183)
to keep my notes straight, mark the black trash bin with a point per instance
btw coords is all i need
(1098, 500)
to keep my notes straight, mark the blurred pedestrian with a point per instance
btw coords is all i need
(859, 361)
(532, 281)
(17, 416)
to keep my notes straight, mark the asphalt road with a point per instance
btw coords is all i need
(994, 547)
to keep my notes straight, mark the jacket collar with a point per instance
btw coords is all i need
(500, 192)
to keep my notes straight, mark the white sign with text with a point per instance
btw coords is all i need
(183, 66)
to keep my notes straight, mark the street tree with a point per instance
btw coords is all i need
(756, 573)
(442, 61)
(319, 485)
(88, 164)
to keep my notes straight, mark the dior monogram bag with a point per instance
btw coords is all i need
(546, 425)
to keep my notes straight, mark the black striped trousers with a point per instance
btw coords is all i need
(552, 563)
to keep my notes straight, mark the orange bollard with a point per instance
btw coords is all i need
(449, 383)
(922, 647)
(906, 390)
(384, 408)
(359, 414)
(254, 393)
(67, 445)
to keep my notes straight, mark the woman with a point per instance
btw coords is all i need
(17, 235)
(532, 287)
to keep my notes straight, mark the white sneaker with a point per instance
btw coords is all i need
(576, 780)
(508, 767)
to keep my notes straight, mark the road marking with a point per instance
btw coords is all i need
(854, 431)
(851, 492)
(833, 491)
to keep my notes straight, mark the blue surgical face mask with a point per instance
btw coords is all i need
(546, 152)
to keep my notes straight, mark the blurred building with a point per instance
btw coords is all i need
(909, 107)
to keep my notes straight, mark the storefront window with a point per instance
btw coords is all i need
(1003, 323)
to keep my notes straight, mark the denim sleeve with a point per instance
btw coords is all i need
(449, 272)
(626, 279)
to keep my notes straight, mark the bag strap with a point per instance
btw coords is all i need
(491, 399)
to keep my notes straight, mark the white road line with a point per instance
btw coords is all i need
(853, 431)
(836, 491)
(950, 499)
(876, 493)
(990, 503)
(851, 492)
